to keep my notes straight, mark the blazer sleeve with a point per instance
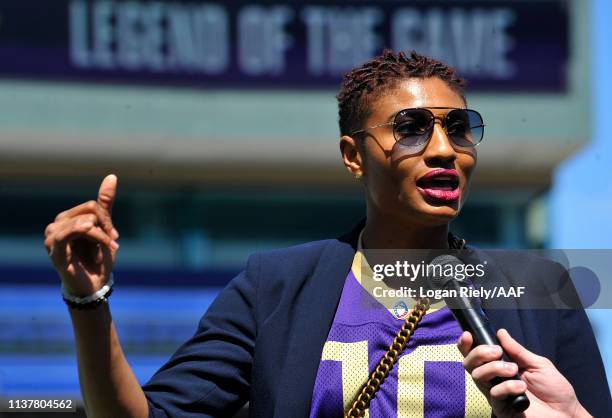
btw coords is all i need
(579, 360)
(209, 375)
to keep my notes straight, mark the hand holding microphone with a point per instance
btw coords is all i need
(550, 394)
(494, 359)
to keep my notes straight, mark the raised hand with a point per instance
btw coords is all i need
(81, 242)
(550, 394)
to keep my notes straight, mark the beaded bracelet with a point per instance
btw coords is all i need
(92, 301)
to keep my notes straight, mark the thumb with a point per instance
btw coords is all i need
(465, 343)
(517, 353)
(106, 199)
(107, 192)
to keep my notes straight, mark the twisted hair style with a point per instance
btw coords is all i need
(364, 85)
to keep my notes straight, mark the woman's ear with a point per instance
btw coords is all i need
(351, 155)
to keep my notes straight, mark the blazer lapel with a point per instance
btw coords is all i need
(315, 311)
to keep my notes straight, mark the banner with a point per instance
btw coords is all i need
(504, 45)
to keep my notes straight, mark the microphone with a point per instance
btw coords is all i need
(471, 318)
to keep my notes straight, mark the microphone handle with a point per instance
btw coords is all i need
(474, 320)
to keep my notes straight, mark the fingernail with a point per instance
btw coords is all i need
(87, 224)
(115, 233)
(114, 245)
(508, 365)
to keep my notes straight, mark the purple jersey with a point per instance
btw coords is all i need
(428, 379)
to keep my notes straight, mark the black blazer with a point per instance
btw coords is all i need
(261, 339)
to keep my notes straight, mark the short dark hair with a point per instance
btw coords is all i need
(363, 85)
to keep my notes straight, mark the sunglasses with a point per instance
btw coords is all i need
(413, 128)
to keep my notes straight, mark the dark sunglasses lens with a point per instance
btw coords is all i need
(464, 127)
(413, 127)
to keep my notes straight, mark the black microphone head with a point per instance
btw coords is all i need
(439, 281)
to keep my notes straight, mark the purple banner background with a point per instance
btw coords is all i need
(36, 39)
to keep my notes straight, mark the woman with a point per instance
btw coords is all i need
(287, 335)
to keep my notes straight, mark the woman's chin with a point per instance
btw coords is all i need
(438, 214)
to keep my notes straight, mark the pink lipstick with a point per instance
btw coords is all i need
(441, 184)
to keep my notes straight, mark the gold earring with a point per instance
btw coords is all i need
(358, 175)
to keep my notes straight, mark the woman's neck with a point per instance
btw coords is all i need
(381, 234)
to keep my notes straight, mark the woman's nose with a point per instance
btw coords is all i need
(439, 146)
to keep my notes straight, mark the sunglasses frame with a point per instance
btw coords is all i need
(443, 122)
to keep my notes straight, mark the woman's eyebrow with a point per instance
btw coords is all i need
(392, 116)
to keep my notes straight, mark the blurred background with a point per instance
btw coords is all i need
(220, 120)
